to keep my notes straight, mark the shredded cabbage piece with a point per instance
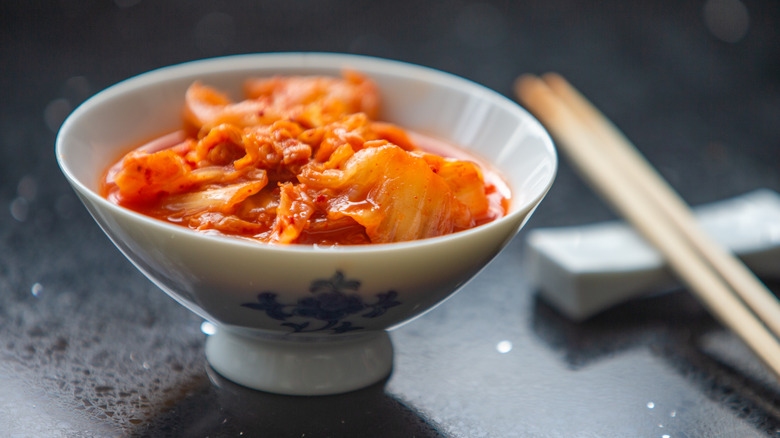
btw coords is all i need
(301, 160)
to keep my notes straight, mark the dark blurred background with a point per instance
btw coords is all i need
(695, 84)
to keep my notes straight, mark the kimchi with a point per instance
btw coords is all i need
(302, 160)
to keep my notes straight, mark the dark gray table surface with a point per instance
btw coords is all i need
(89, 347)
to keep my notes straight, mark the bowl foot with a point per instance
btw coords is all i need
(296, 366)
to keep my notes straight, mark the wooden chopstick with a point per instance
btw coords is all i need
(627, 157)
(616, 170)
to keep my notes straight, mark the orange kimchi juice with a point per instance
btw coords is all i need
(303, 159)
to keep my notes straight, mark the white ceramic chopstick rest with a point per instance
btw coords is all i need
(584, 270)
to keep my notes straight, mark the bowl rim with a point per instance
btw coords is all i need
(299, 60)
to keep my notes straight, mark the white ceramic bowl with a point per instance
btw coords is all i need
(301, 319)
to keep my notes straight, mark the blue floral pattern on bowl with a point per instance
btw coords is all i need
(330, 302)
